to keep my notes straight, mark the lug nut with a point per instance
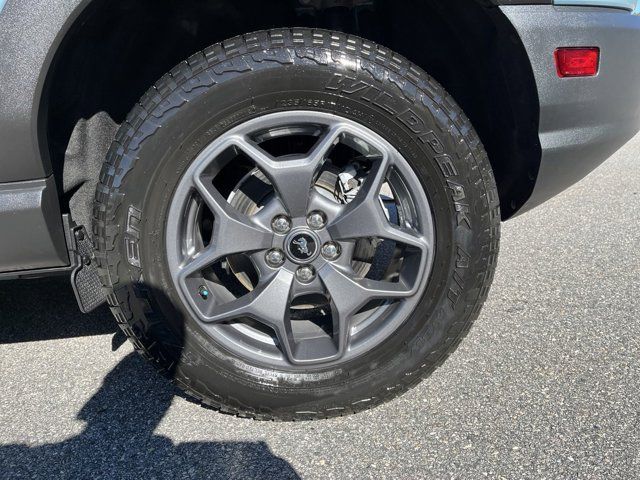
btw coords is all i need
(331, 250)
(316, 220)
(281, 224)
(306, 274)
(275, 257)
(203, 292)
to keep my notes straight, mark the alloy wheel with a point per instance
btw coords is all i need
(300, 239)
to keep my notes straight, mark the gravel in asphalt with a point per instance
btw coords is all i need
(546, 385)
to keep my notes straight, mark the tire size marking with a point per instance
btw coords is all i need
(305, 102)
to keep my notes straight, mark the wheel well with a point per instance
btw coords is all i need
(117, 49)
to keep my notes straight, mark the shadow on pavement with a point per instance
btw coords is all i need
(121, 418)
(46, 309)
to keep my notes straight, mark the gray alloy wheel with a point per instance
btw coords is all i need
(309, 258)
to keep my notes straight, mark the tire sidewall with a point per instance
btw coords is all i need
(415, 122)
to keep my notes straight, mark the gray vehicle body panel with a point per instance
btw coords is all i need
(583, 121)
(33, 236)
(30, 33)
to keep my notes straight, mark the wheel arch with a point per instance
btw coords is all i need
(105, 60)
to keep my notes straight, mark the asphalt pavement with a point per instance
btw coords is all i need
(546, 385)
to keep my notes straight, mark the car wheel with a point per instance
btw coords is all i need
(296, 224)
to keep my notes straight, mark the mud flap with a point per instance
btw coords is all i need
(84, 278)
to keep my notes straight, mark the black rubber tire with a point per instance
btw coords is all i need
(270, 71)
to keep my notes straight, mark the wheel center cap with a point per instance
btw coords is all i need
(302, 246)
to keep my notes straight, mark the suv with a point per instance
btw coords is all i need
(298, 222)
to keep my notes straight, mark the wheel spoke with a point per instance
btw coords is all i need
(325, 143)
(268, 304)
(232, 232)
(349, 294)
(292, 177)
(268, 212)
(364, 216)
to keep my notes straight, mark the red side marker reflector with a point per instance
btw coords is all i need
(577, 61)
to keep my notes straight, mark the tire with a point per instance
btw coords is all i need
(292, 70)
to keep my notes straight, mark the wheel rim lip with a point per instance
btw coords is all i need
(183, 191)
